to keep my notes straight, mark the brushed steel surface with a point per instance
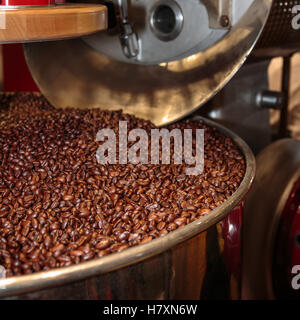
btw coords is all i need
(235, 106)
(132, 256)
(195, 29)
(278, 169)
(70, 73)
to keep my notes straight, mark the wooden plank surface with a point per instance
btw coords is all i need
(50, 23)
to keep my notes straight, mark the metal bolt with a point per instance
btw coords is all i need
(224, 21)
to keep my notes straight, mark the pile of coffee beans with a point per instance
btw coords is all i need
(59, 207)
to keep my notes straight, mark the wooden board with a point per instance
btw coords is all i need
(51, 22)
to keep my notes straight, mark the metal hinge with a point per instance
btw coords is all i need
(128, 37)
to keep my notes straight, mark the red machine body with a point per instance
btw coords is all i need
(16, 75)
(288, 246)
(29, 2)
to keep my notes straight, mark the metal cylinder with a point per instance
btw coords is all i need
(166, 20)
(270, 99)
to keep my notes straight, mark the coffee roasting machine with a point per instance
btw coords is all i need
(164, 60)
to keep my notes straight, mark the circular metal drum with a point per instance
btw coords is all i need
(200, 260)
(271, 241)
(165, 78)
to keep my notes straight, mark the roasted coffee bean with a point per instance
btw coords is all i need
(59, 207)
(103, 244)
(180, 221)
(76, 253)
(161, 226)
(68, 197)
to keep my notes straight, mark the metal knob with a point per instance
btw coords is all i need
(270, 99)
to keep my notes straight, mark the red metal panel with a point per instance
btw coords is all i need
(287, 252)
(16, 75)
(231, 229)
